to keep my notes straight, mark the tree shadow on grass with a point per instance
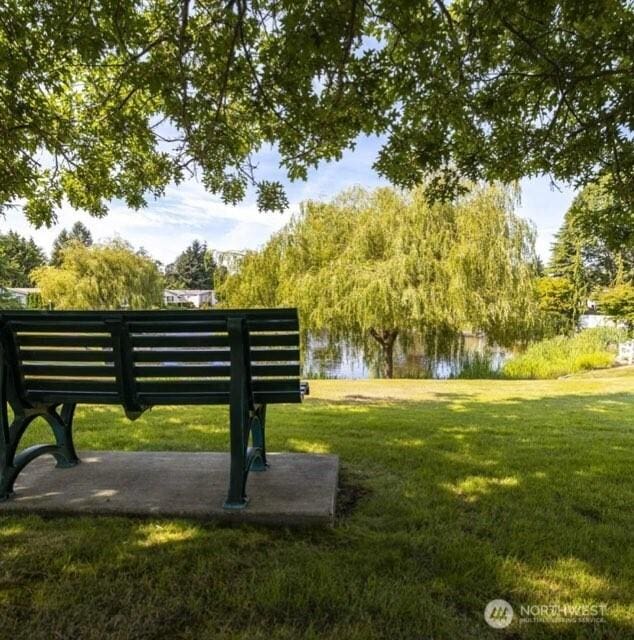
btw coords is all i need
(542, 487)
(467, 501)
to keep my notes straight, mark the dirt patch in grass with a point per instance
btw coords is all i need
(350, 492)
(358, 398)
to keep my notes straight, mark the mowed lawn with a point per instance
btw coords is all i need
(453, 493)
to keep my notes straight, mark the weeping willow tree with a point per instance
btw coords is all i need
(370, 267)
(107, 276)
(253, 278)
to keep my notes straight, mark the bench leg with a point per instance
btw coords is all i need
(11, 464)
(62, 425)
(244, 458)
(258, 436)
(245, 417)
(239, 420)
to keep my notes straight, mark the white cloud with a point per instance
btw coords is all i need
(167, 225)
(188, 212)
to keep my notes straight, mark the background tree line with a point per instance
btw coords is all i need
(82, 274)
(410, 257)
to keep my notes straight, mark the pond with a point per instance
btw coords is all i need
(442, 361)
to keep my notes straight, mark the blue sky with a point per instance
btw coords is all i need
(188, 212)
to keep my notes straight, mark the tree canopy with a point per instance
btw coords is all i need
(600, 217)
(373, 266)
(102, 100)
(618, 302)
(105, 276)
(561, 303)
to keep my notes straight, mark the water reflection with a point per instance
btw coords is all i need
(466, 355)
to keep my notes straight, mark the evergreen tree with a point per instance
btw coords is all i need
(585, 256)
(193, 269)
(574, 249)
(18, 258)
(79, 233)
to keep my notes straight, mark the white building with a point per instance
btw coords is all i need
(196, 298)
(594, 320)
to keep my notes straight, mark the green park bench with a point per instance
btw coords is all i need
(53, 360)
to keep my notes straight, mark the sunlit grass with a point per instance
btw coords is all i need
(468, 491)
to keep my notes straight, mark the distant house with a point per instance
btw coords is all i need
(21, 294)
(594, 320)
(196, 298)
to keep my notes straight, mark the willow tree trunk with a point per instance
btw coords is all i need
(386, 338)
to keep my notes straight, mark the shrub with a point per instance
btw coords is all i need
(618, 301)
(589, 349)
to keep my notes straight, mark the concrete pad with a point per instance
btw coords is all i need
(296, 490)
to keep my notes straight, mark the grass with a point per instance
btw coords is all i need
(564, 355)
(458, 492)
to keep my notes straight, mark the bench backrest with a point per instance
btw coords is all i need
(146, 358)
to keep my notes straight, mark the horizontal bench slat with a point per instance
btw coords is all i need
(74, 371)
(209, 340)
(212, 386)
(210, 326)
(150, 399)
(146, 341)
(153, 399)
(147, 355)
(274, 355)
(193, 371)
(277, 397)
(159, 399)
(53, 325)
(93, 386)
(182, 386)
(262, 370)
(213, 355)
(44, 340)
(176, 326)
(49, 397)
(66, 355)
(182, 371)
(274, 340)
(276, 385)
(273, 324)
(266, 315)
